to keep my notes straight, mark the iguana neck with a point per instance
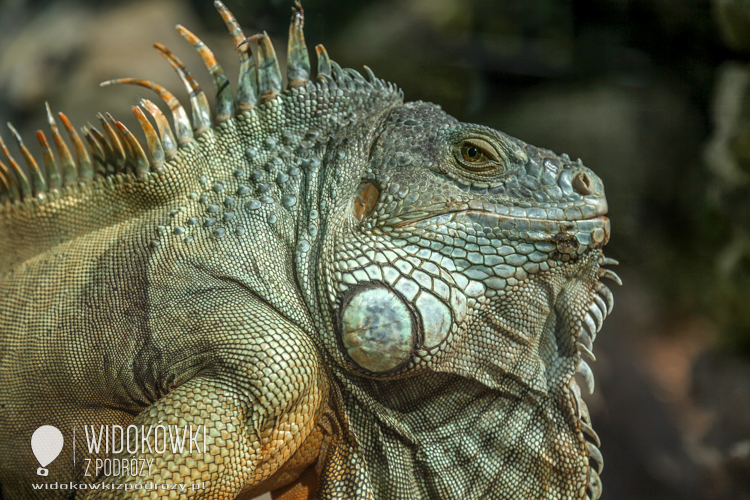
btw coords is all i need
(441, 432)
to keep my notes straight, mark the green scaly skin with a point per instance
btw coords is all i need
(337, 284)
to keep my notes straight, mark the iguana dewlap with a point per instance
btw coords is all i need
(340, 294)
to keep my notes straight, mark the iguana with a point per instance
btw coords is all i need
(352, 296)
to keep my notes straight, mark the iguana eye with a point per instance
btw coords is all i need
(477, 155)
(473, 154)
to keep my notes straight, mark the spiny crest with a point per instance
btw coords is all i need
(115, 150)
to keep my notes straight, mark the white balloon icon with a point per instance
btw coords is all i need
(46, 443)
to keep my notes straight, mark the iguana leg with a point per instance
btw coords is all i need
(259, 396)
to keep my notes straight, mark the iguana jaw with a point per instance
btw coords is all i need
(595, 207)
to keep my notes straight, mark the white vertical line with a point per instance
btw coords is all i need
(74, 446)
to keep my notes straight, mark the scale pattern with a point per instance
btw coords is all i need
(354, 297)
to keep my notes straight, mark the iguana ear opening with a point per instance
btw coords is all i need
(367, 196)
(378, 329)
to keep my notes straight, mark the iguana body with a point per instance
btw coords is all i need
(357, 297)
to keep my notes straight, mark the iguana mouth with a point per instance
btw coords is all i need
(406, 219)
(593, 232)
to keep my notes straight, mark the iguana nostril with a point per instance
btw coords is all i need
(583, 184)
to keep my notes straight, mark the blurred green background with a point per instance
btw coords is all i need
(653, 95)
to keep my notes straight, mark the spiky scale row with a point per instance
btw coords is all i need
(9, 186)
(136, 152)
(23, 182)
(49, 162)
(104, 155)
(224, 100)
(116, 151)
(83, 160)
(68, 174)
(324, 62)
(247, 86)
(168, 141)
(198, 100)
(97, 153)
(269, 73)
(115, 145)
(38, 184)
(298, 60)
(377, 84)
(181, 121)
(155, 149)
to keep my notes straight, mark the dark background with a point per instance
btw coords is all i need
(653, 95)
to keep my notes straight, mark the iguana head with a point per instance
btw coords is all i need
(461, 275)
